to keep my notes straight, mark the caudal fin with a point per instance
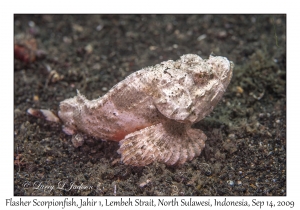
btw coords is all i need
(44, 114)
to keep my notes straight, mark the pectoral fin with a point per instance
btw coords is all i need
(170, 143)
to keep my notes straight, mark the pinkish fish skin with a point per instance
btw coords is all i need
(151, 112)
